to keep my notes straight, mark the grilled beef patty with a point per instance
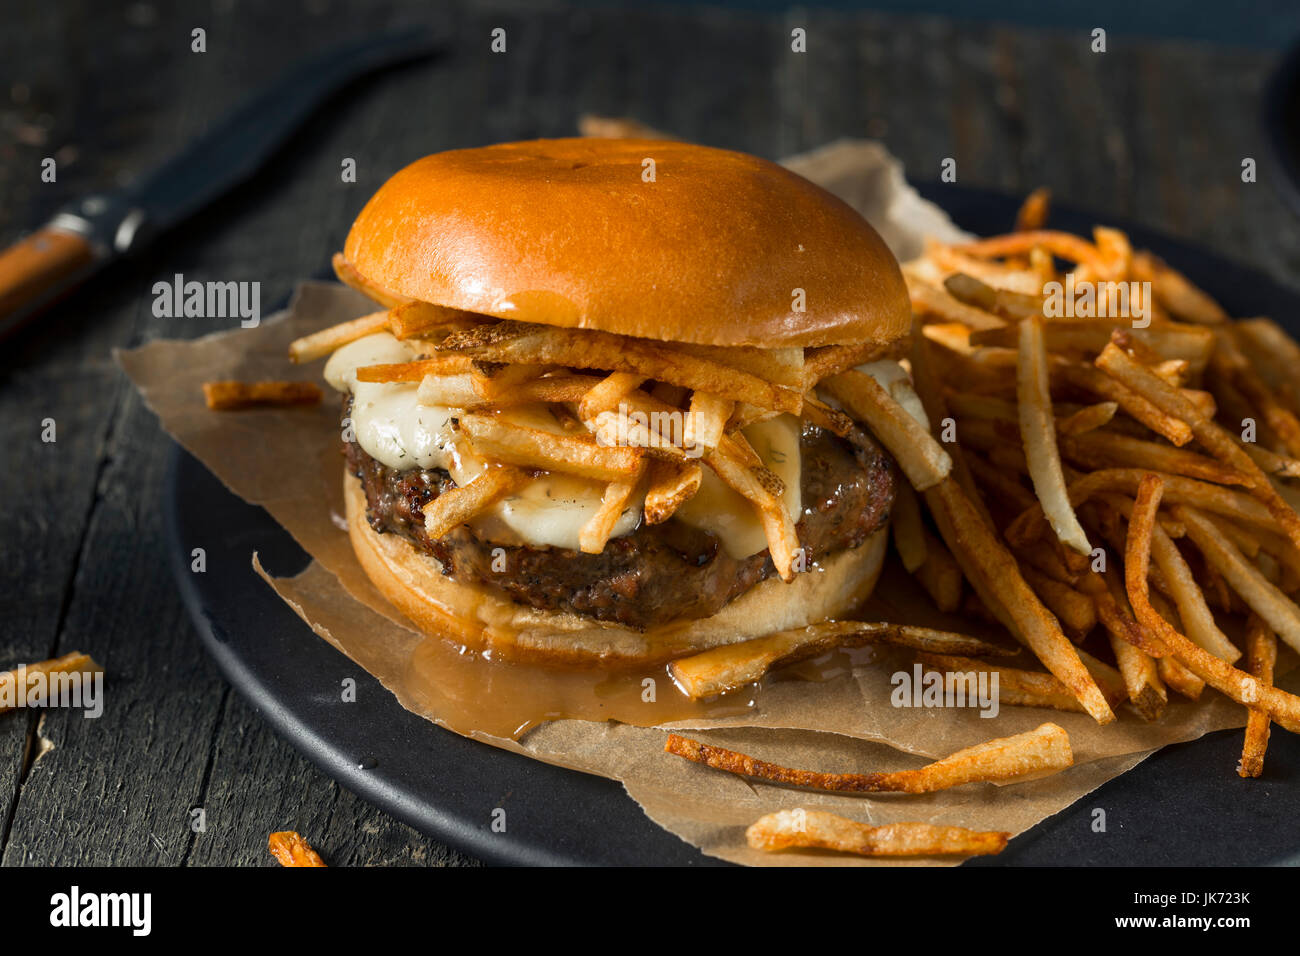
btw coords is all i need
(658, 573)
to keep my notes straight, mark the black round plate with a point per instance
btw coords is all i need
(1183, 806)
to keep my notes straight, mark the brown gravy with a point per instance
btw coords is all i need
(478, 691)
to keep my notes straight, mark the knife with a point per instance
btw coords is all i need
(91, 233)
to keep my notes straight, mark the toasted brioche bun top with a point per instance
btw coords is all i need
(568, 232)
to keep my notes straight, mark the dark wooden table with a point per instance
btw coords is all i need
(1150, 130)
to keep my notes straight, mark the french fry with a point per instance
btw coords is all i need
(414, 371)
(1076, 612)
(908, 531)
(1108, 678)
(751, 482)
(1105, 449)
(418, 319)
(1146, 691)
(1261, 658)
(1115, 249)
(1033, 754)
(706, 421)
(827, 831)
(926, 382)
(1116, 614)
(1141, 673)
(595, 533)
(448, 391)
(555, 389)
(617, 127)
(456, 506)
(940, 575)
(349, 276)
(513, 444)
(290, 849)
(937, 301)
(1087, 419)
(515, 342)
(993, 571)
(1038, 433)
(737, 446)
(826, 360)
(496, 382)
(670, 484)
(1006, 303)
(1033, 212)
(827, 418)
(1175, 675)
(606, 394)
(725, 668)
(1271, 463)
(322, 343)
(922, 458)
(1281, 707)
(1044, 266)
(1062, 244)
(230, 396)
(1016, 687)
(1195, 615)
(780, 366)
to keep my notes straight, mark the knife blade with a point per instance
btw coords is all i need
(94, 231)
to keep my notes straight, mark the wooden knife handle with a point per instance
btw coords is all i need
(38, 265)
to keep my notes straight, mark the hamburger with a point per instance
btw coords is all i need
(589, 424)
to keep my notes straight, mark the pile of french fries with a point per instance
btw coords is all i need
(1116, 490)
(641, 416)
(1062, 455)
(1082, 447)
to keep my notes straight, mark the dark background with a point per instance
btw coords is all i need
(1154, 130)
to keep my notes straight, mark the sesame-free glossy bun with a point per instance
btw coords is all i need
(464, 613)
(567, 232)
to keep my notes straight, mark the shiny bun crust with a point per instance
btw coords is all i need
(438, 606)
(568, 232)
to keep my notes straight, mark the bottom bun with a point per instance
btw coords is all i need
(438, 606)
